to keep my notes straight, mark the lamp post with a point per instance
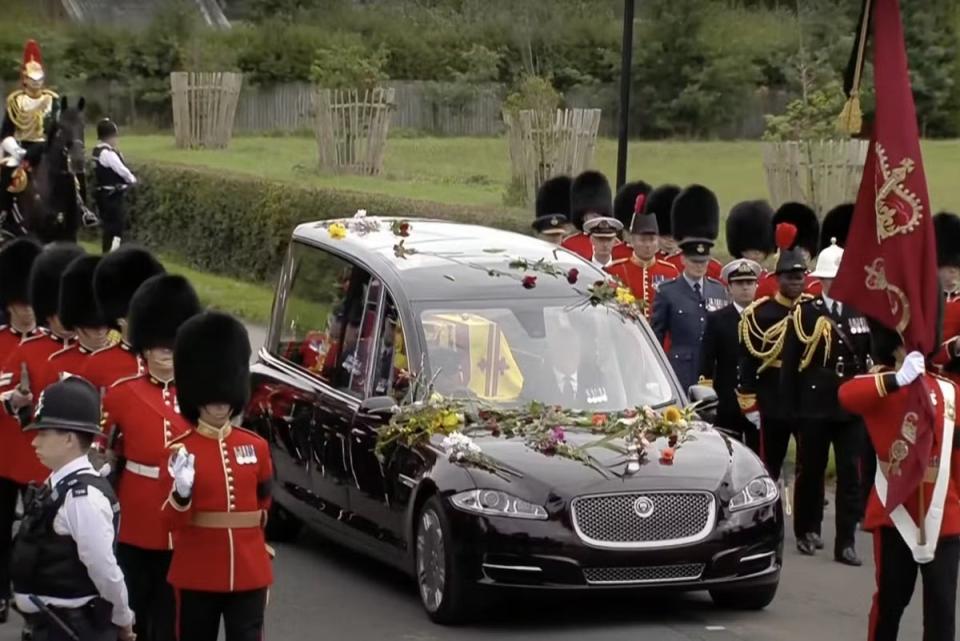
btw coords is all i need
(626, 53)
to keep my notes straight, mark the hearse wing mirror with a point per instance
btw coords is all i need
(706, 399)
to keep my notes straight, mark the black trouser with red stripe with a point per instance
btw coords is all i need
(9, 492)
(896, 578)
(199, 614)
(847, 439)
(151, 597)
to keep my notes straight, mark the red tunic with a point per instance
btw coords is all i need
(769, 285)
(233, 474)
(882, 404)
(714, 267)
(68, 361)
(643, 279)
(108, 365)
(579, 243)
(144, 414)
(951, 316)
(18, 461)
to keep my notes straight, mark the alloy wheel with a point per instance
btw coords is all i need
(431, 561)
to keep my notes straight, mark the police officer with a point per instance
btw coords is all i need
(763, 330)
(116, 278)
(642, 272)
(65, 577)
(221, 473)
(827, 343)
(113, 179)
(552, 209)
(681, 306)
(602, 233)
(720, 353)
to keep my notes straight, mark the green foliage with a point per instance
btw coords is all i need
(346, 62)
(239, 226)
(932, 45)
(532, 92)
(812, 119)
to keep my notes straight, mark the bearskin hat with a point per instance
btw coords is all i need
(946, 228)
(77, 306)
(836, 224)
(45, 278)
(16, 259)
(806, 222)
(118, 276)
(625, 204)
(660, 203)
(590, 192)
(211, 363)
(749, 227)
(553, 197)
(695, 215)
(161, 305)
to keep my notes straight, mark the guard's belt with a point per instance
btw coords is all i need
(229, 520)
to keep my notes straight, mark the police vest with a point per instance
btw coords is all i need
(44, 562)
(105, 176)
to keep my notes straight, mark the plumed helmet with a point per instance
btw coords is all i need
(77, 307)
(660, 203)
(806, 222)
(630, 199)
(45, 278)
(749, 226)
(836, 224)
(32, 66)
(157, 310)
(553, 197)
(789, 258)
(16, 259)
(118, 276)
(695, 219)
(590, 193)
(211, 362)
(946, 228)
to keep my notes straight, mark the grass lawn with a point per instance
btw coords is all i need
(476, 171)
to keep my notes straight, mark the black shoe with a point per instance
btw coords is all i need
(805, 546)
(848, 556)
(816, 540)
(27, 633)
(4, 610)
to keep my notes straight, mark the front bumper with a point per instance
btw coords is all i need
(745, 549)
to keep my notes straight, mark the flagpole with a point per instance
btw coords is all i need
(626, 61)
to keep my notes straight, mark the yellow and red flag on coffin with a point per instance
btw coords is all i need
(491, 372)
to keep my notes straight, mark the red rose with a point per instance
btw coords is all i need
(599, 419)
(404, 229)
(666, 455)
(529, 282)
(573, 275)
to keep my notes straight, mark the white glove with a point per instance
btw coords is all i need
(754, 417)
(182, 470)
(913, 366)
(12, 148)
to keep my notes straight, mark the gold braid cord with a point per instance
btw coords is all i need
(822, 330)
(29, 122)
(764, 345)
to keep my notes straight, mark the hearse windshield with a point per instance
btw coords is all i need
(514, 352)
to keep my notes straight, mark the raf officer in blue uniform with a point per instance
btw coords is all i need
(681, 306)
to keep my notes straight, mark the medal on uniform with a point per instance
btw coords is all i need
(245, 454)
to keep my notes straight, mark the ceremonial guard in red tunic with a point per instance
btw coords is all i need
(141, 420)
(807, 240)
(16, 259)
(221, 566)
(923, 534)
(115, 280)
(836, 226)
(659, 203)
(552, 221)
(643, 272)
(590, 197)
(750, 231)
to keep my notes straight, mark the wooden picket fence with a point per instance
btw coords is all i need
(204, 106)
(351, 129)
(821, 174)
(546, 144)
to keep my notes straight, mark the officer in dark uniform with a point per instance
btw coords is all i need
(720, 353)
(806, 243)
(827, 344)
(66, 579)
(113, 179)
(763, 330)
(552, 209)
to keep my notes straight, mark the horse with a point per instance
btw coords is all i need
(50, 207)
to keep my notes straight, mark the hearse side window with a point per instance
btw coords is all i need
(392, 377)
(361, 311)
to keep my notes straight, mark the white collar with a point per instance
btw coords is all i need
(562, 378)
(738, 308)
(830, 302)
(76, 465)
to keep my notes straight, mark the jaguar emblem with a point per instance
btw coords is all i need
(643, 507)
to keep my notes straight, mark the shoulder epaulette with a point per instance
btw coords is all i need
(619, 261)
(42, 333)
(714, 280)
(805, 297)
(65, 348)
(103, 349)
(177, 439)
(660, 261)
(752, 307)
(248, 431)
(127, 379)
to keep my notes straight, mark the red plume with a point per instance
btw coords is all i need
(639, 203)
(31, 52)
(786, 235)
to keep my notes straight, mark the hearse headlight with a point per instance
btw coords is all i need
(496, 503)
(760, 491)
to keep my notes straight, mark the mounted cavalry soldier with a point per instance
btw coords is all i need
(27, 113)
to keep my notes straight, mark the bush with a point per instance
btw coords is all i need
(238, 226)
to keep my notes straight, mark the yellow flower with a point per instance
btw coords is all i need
(625, 296)
(337, 231)
(672, 414)
(451, 419)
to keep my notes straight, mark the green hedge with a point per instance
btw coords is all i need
(239, 226)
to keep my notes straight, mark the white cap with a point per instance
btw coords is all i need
(828, 262)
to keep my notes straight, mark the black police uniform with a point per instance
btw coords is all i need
(824, 348)
(111, 187)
